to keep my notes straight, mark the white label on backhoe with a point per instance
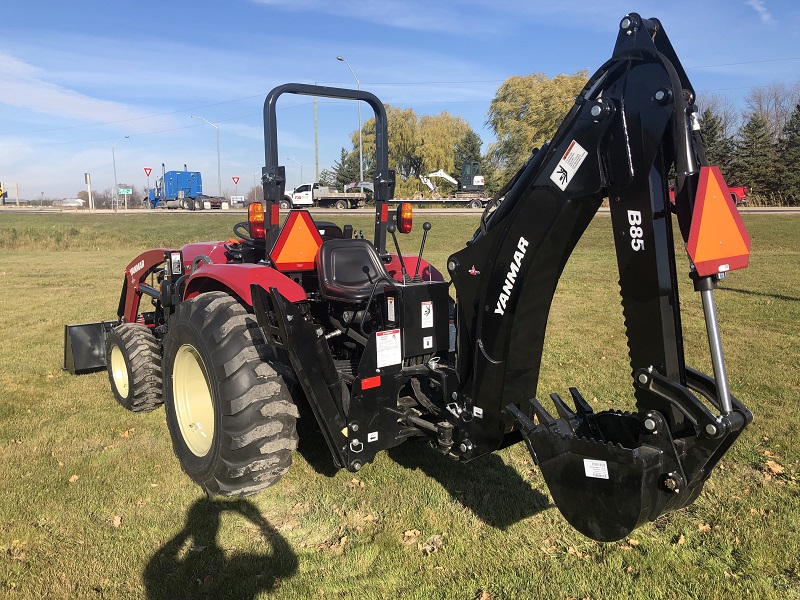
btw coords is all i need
(568, 165)
(427, 314)
(597, 469)
(390, 309)
(387, 346)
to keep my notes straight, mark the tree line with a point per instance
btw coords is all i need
(758, 147)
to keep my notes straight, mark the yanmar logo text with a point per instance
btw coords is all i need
(511, 276)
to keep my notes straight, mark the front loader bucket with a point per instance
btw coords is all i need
(603, 476)
(85, 347)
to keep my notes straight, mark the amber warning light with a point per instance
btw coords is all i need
(255, 218)
(404, 217)
(718, 240)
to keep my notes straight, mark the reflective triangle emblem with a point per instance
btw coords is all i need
(718, 240)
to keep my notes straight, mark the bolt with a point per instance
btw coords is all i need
(353, 427)
(660, 95)
(650, 424)
(626, 22)
(596, 110)
(454, 395)
(643, 379)
(711, 429)
(452, 265)
(671, 484)
(356, 465)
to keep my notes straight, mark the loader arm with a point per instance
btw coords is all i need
(608, 472)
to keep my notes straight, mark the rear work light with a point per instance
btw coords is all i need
(255, 220)
(404, 217)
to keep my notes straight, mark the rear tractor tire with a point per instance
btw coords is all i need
(230, 415)
(134, 367)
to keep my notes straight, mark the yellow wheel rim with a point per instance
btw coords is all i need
(194, 408)
(119, 372)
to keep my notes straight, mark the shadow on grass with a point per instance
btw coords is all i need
(762, 294)
(193, 565)
(312, 446)
(487, 486)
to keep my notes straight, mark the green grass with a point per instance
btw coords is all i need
(94, 504)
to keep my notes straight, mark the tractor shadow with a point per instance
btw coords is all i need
(311, 445)
(493, 491)
(193, 565)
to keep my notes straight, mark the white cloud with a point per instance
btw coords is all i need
(25, 86)
(761, 8)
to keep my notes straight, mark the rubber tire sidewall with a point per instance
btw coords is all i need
(151, 371)
(183, 331)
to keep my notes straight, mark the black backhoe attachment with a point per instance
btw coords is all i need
(610, 471)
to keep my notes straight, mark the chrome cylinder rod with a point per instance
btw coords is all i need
(715, 345)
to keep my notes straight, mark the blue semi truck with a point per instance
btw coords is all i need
(181, 189)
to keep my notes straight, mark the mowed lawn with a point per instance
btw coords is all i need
(93, 503)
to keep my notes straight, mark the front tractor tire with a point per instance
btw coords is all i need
(230, 415)
(133, 360)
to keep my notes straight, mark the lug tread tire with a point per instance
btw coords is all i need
(143, 360)
(255, 428)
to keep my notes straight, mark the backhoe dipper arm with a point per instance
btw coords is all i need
(608, 472)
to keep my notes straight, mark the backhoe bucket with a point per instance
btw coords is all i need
(602, 477)
(85, 347)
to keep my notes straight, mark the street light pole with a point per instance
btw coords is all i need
(114, 160)
(301, 169)
(360, 147)
(219, 171)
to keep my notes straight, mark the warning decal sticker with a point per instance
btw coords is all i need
(387, 346)
(427, 315)
(568, 165)
(597, 469)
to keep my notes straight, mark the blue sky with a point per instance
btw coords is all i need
(76, 77)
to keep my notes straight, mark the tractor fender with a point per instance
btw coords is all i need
(214, 250)
(237, 278)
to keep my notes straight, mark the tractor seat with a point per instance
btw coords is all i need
(348, 269)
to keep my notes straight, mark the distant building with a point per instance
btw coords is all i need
(73, 202)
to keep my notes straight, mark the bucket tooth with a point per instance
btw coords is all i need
(546, 420)
(563, 410)
(586, 416)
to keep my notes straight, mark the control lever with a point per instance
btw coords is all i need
(426, 226)
(391, 228)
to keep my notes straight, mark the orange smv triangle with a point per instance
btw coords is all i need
(718, 240)
(297, 246)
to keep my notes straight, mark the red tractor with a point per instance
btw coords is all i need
(235, 335)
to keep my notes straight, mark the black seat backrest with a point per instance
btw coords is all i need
(328, 230)
(349, 269)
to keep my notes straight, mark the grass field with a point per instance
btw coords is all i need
(94, 505)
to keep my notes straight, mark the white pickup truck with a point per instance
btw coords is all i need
(322, 196)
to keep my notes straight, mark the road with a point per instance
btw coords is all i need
(330, 212)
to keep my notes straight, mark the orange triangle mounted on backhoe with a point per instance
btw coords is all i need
(718, 240)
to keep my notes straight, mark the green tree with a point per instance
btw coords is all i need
(755, 158)
(789, 151)
(526, 112)
(344, 171)
(719, 147)
(419, 145)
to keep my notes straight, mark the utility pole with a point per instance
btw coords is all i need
(360, 147)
